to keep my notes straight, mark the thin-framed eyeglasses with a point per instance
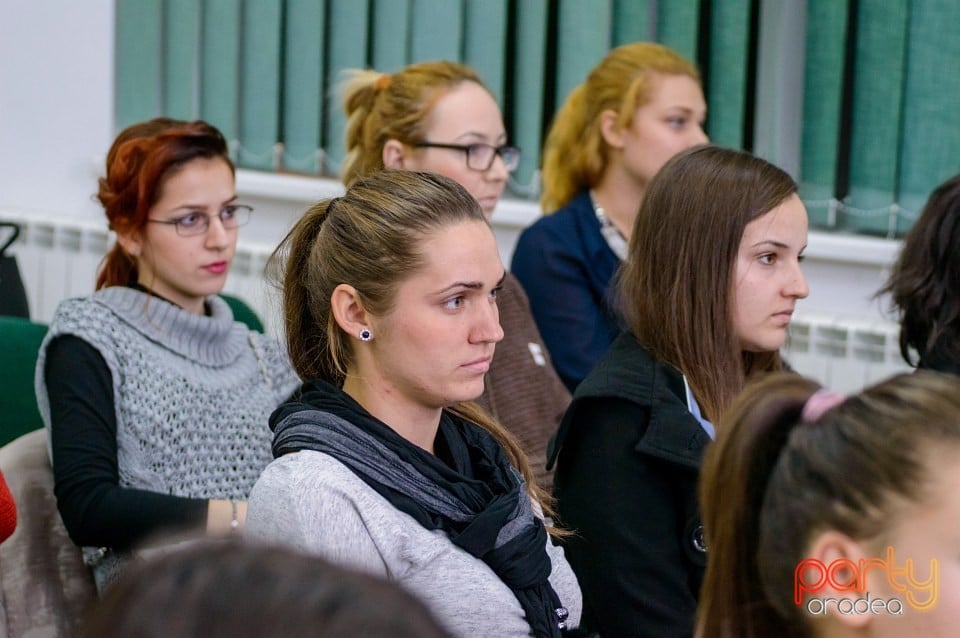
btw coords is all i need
(480, 156)
(231, 216)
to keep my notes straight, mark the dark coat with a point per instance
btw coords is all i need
(566, 268)
(629, 455)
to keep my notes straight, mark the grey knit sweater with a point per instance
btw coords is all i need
(314, 503)
(193, 393)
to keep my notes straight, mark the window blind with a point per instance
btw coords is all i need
(879, 125)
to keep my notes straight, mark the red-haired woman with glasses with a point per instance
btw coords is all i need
(155, 399)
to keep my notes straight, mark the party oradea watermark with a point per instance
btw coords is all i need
(848, 579)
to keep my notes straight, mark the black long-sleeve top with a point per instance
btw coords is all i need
(95, 509)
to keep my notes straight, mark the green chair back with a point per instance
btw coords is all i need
(243, 312)
(19, 344)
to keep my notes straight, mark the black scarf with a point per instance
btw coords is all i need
(481, 502)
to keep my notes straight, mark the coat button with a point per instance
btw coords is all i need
(699, 543)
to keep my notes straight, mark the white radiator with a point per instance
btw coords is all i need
(59, 257)
(844, 353)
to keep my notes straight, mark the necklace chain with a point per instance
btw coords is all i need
(611, 234)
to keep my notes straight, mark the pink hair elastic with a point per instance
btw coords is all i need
(819, 402)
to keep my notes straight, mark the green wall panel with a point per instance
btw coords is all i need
(181, 68)
(139, 63)
(822, 101)
(436, 30)
(631, 21)
(220, 67)
(585, 29)
(727, 82)
(391, 35)
(930, 144)
(528, 89)
(303, 85)
(347, 49)
(678, 24)
(877, 111)
(485, 43)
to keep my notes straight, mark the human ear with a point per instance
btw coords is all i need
(832, 578)
(131, 242)
(348, 311)
(394, 154)
(610, 129)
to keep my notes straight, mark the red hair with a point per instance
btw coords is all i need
(140, 160)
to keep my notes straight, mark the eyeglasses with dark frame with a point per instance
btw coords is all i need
(480, 156)
(231, 216)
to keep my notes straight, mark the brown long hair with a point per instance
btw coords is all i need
(381, 107)
(140, 160)
(370, 238)
(676, 286)
(925, 281)
(771, 482)
(575, 153)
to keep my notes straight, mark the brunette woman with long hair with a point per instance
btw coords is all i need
(924, 284)
(711, 281)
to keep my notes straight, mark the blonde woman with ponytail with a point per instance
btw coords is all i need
(638, 108)
(383, 463)
(439, 117)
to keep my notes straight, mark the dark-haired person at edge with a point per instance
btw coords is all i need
(924, 284)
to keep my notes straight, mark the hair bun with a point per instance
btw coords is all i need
(383, 82)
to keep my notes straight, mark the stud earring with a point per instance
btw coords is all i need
(365, 334)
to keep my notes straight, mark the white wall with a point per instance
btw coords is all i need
(56, 122)
(56, 103)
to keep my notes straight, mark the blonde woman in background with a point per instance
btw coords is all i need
(638, 108)
(439, 117)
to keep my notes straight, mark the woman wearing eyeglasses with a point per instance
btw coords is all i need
(155, 399)
(439, 117)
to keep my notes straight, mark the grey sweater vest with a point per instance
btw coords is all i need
(193, 393)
